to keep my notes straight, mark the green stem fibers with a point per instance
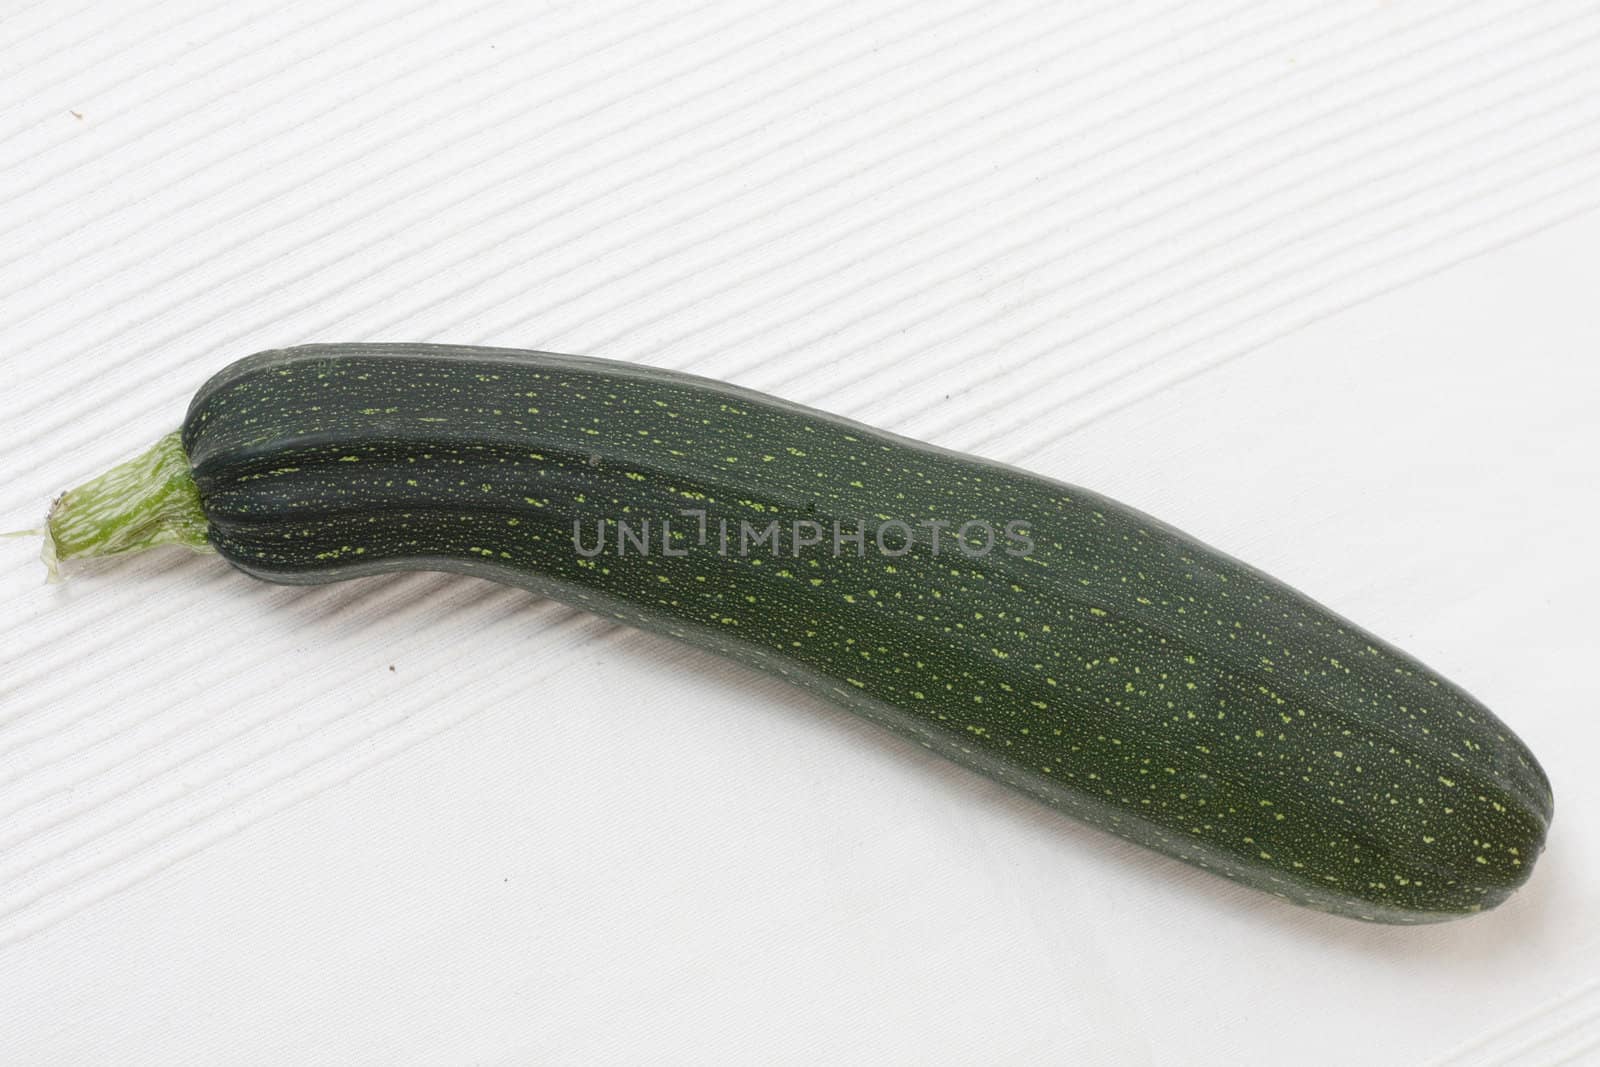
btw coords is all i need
(148, 501)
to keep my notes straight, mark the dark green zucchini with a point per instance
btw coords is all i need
(1053, 639)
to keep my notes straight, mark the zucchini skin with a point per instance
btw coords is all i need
(1119, 671)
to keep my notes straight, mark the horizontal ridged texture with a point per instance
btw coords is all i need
(1099, 660)
(1307, 279)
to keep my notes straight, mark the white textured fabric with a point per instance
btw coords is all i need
(1313, 281)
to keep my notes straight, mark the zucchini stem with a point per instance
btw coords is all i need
(148, 501)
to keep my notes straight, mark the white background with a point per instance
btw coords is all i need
(1315, 282)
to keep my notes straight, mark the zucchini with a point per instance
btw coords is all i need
(1048, 637)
